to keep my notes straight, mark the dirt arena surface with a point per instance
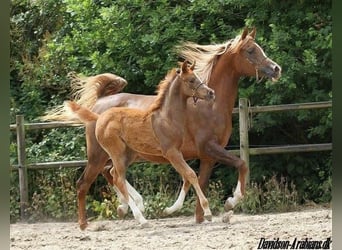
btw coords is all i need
(312, 226)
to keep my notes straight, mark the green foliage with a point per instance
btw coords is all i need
(52, 195)
(272, 195)
(136, 39)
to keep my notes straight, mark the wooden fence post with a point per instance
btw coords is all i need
(23, 183)
(243, 127)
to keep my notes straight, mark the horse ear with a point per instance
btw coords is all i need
(244, 33)
(185, 66)
(193, 65)
(253, 33)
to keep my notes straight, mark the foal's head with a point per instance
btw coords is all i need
(251, 60)
(192, 85)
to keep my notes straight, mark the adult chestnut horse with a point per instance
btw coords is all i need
(208, 128)
(126, 132)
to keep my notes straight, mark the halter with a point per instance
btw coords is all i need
(194, 90)
(257, 66)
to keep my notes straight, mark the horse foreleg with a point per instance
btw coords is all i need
(216, 151)
(176, 159)
(205, 170)
(180, 200)
(138, 199)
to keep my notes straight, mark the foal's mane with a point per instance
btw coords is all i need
(162, 90)
(206, 56)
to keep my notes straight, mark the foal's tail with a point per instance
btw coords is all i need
(86, 91)
(84, 114)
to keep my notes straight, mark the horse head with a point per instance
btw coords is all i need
(252, 58)
(193, 84)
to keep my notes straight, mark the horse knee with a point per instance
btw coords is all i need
(191, 176)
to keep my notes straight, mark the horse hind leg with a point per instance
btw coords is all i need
(122, 156)
(91, 171)
(180, 200)
(232, 201)
(216, 151)
(138, 199)
(124, 197)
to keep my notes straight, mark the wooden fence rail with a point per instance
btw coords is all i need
(245, 151)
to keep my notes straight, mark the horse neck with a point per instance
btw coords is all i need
(224, 80)
(175, 102)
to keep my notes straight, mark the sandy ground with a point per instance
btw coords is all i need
(242, 232)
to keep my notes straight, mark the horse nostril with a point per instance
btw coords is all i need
(276, 69)
(211, 94)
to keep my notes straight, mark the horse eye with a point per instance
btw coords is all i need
(250, 51)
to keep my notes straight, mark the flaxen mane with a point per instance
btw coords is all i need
(206, 55)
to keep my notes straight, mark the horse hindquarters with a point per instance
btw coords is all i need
(122, 156)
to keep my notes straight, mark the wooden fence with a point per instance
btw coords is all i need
(244, 110)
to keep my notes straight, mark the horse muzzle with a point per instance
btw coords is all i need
(271, 70)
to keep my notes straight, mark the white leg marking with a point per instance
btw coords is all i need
(136, 212)
(237, 195)
(123, 207)
(138, 199)
(177, 205)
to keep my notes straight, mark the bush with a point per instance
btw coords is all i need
(270, 196)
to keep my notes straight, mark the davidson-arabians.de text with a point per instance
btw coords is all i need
(306, 243)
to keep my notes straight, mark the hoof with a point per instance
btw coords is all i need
(145, 225)
(121, 212)
(208, 217)
(228, 205)
(199, 219)
(227, 216)
(83, 225)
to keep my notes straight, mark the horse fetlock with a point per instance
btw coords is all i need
(141, 207)
(232, 201)
(228, 205)
(140, 203)
(166, 211)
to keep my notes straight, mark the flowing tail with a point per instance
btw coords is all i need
(84, 114)
(85, 92)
